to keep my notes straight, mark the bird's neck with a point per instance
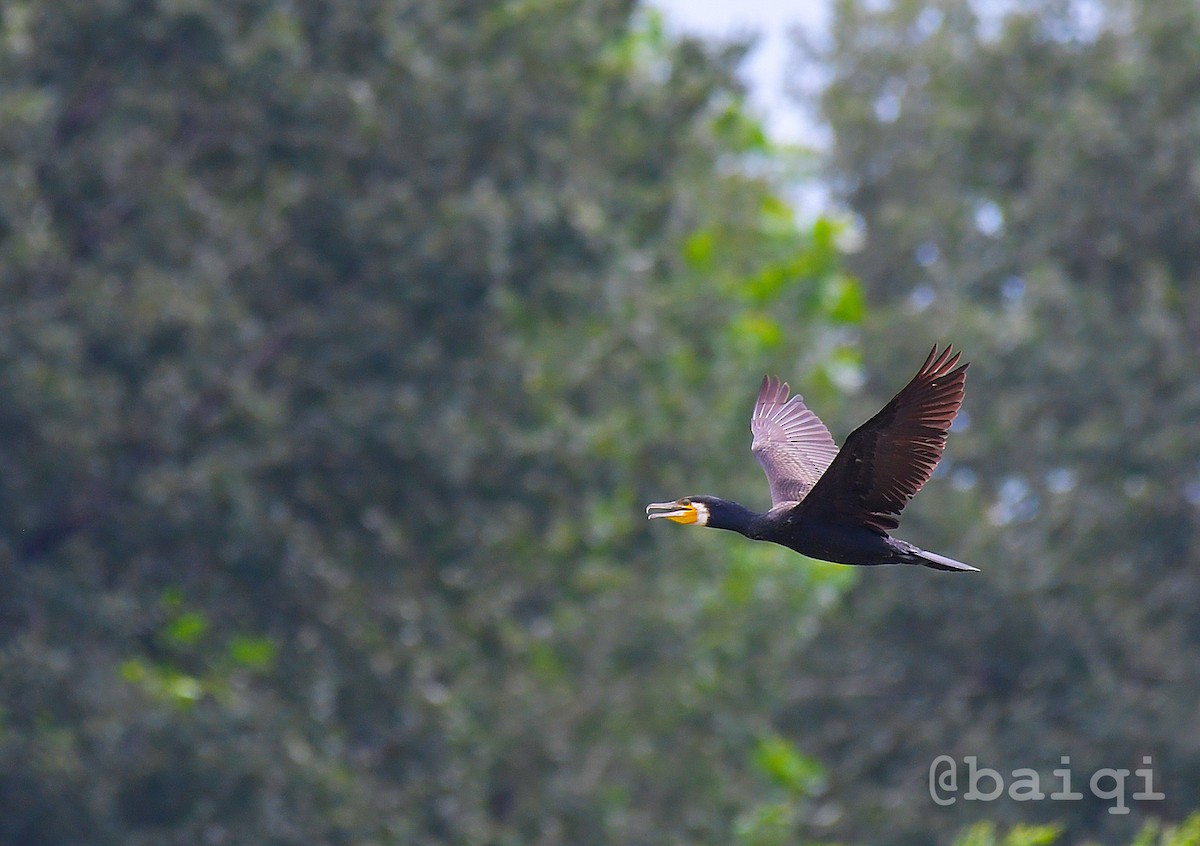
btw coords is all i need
(732, 516)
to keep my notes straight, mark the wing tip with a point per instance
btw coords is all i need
(771, 392)
(943, 362)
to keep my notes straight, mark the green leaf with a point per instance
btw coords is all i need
(1033, 835)
(186, 629)
(778, 216)
(134, 670)
(181, 688)
(985, 834)
(842, 300)
(760, 329)
(740, 130)
(162, 683)
(1186, 833)
(769, 282)
(256, 653)
(785, 765)
(698, 249)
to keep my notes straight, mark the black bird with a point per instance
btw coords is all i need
(840, 505)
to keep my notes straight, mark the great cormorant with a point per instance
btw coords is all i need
(839, 505)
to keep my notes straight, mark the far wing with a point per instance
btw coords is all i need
(885, 461)
(790, 442)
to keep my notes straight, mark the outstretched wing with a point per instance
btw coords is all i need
(886, 460)
(790, 442)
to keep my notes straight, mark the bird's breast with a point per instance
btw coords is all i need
(830, 541)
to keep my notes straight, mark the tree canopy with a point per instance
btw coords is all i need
(341, 344)
(1027, 182)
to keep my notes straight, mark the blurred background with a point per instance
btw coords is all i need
(342, 344)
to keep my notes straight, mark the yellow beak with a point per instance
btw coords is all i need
(677, 512)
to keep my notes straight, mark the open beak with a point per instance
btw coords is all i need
(677, 512)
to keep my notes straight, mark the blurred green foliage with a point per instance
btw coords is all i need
(1022, 179)
(985, 834)
(341, 346)
(1152, 834)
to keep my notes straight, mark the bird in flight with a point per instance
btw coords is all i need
(840, 505)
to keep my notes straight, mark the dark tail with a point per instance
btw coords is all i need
(940, 562)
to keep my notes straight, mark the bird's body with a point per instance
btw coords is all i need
(839, 505)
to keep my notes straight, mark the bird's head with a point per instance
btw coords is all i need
(689, 510)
